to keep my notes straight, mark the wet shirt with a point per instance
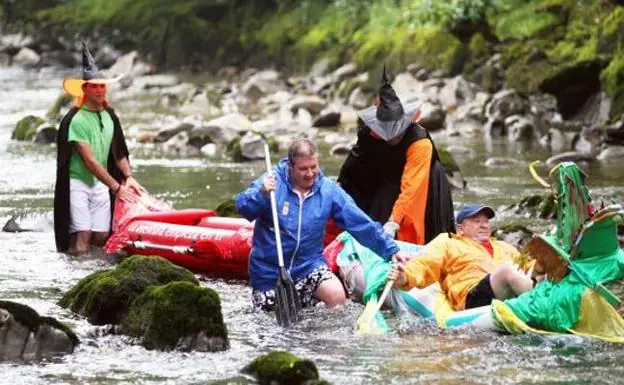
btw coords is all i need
(95, 129)
(458, 264)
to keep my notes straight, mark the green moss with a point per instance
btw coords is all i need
(234, 149)
(525, 19)
(163, 315)
(611, 37)
(28, 317)
(282, 368)
(450, 166)
(61, 326)
(515, 227)
(61, 101)
(103, 297)
(26, 128)
(612, 78)
(23, 314)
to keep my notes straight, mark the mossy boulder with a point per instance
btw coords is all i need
(63, 100)
(235, 149)
(227, 209)
(538, 206)
(104, 297)
(178, 315)
(450, 166)
(516, 234)
(28, 336)
(283, 368)
(26, 128)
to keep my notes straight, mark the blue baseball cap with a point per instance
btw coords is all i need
(472, 209)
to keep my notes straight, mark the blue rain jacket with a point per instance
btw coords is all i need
(302, 224)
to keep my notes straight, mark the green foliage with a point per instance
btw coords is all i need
(612, 79)
(522, 19)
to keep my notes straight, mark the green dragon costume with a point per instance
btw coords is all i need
(579, 256)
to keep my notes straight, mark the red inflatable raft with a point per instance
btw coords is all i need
(196, 239)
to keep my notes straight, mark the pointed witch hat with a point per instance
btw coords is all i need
(388, 119)
(90, 74)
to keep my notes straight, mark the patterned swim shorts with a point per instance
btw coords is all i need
(265, 300)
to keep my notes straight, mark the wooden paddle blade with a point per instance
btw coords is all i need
(365, 323)
(286, 300)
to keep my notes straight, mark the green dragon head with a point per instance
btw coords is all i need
(574, 204)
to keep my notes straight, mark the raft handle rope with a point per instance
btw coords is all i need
(141, 245)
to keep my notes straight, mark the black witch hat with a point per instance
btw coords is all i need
(90, 74)
(388, 119)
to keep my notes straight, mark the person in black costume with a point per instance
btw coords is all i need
(92, 164)
(394, 173)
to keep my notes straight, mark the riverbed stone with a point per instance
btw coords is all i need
(535, 206)
(104, 296)
(45, 135)
(26, 128)
(516, 234)
(63, 100)
(179, 315)
(283, 368)
(26, 57)
(27, 336)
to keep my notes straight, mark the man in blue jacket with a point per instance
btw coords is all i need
(306, 199)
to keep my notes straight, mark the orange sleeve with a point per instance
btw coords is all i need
(412, 200)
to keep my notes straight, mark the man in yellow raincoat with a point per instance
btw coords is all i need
(471, 267)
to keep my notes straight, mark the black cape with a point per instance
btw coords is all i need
(372, 173)
(61, 188)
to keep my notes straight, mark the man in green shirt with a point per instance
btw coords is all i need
(92, 164)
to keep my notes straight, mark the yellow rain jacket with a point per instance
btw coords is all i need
(458, 264)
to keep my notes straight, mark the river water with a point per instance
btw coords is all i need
(33, 273)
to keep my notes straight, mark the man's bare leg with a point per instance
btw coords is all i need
(99, 238)
(507, 282)
(331, 292)
(80, 242)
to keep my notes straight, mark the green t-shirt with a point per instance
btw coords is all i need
(85, 127)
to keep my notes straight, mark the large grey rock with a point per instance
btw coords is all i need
(407, 87)
(455, 92)
(252, 146)
(611, 153)
(130, 65)
(45, 135)
(357, 99)
(344, 72)
(503, 162)
(311, 103)
(520, 128)
(432, 116)
(261, 83)
(15, 42)
(26, 57)
(200, 104)
(569, 156)
(506, 103)
(167, 133)
(26, 336)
